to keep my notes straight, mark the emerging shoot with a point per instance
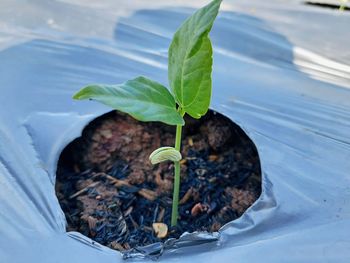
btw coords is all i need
(189, 73)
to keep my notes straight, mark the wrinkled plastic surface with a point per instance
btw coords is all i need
(281, 71)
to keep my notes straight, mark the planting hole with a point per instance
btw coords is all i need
(110, 192)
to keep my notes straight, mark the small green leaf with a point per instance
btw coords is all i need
(165, 154)
(190, 61)
(142, 98)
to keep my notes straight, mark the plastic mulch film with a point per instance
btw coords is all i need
(281, 72)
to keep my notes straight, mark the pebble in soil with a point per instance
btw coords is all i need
(111, 193)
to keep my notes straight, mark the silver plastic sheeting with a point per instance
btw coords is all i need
(281, 71)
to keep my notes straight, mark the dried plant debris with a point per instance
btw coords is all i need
(110, 192)
(160, 229)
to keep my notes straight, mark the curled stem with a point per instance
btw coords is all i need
(165, 154)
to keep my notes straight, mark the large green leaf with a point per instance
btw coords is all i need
(142, 98)
(190, 61)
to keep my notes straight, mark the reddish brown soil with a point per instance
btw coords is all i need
(111, 193)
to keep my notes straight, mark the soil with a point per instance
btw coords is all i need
(110, 192)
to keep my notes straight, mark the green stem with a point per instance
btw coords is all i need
(174, 212)
(178, 137)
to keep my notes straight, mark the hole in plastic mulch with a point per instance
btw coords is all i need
(111, 193)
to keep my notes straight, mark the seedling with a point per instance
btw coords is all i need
(189, 73)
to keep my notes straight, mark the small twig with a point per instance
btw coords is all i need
(128, 211)
(150, 229)
(117, 246)
(146, 193)
(161, 215)
(136, 226)
(155, 214)
(186, 196)
(83, 190)
(91, 222)
(118, 183)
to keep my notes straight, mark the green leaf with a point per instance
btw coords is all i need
(190, 61)
(142, 98)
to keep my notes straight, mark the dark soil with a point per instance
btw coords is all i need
(111, 193)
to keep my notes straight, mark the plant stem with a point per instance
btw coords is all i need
(174, 212)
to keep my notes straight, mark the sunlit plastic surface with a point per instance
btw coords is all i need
(281, 71)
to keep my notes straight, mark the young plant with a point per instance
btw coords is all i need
(189, 73)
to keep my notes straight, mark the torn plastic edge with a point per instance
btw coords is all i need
(155, 250)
